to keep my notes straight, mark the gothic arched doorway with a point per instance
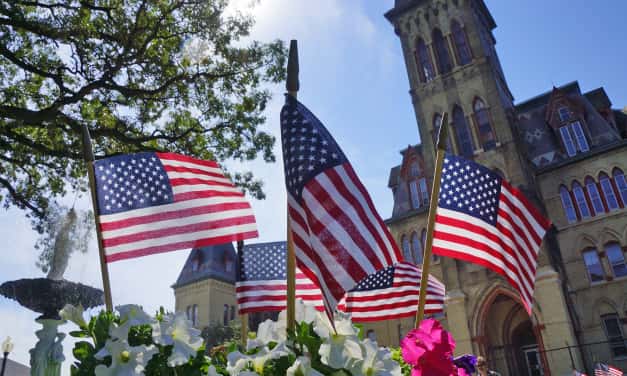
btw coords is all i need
(508, 337)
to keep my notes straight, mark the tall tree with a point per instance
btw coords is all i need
(143, 75)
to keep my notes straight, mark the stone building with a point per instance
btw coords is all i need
(565, 149)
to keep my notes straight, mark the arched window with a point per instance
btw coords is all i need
(593, 265)
(416, 247)
(482, 118)
(463, 137)
(582, 203)
(225, 315)
(423, 58)
(595, 197)
(464, 56)
(621, 184)
(406, 250)
(608, 191)
(616, 259)
(232, 312)
(441, 52)
(567, 204)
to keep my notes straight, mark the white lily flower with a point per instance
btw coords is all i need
(341, 347)
(130, 315)
(73, 314)
(377, 362)
(125, 360)
(302, 367)
(178, 331)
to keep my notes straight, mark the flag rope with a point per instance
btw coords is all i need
(433, 205)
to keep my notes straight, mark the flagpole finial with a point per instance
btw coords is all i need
(292, 85)
(443, 132)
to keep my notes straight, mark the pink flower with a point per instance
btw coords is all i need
(429, 349)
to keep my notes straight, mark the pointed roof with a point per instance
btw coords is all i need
(213, 262)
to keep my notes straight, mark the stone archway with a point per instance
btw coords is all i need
(508, 338)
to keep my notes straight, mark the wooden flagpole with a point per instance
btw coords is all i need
(433, 205)
(88, 155)
(243, 317)
(292, 86)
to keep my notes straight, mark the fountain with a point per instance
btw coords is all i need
(49, 295)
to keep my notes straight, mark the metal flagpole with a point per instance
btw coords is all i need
(292, 86)
(435, 192)
(243, 317)
(88, 155)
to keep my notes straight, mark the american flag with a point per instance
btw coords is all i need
(262, 280)
(158, 202)
(602, 369)
(482, 219)
(392, 293)
(339, 239)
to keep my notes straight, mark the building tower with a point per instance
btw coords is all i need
(453, 67)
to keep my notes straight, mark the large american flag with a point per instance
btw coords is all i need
(157, 202)
(602, 369)
(262, 280)
(390, 293)
(482, 219)
(339, 238)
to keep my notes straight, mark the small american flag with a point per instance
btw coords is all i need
(388, 294)
(482, 219)
(392, 293)
(262, 280)
(339, 238)
(602, 369)
(158, 202)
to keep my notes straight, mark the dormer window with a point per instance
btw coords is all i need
(564, 114)
(414, 170)
(415, 196)
(574, 138)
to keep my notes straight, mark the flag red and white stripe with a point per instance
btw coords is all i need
(167, 202)
(483, 219)
(338, 236)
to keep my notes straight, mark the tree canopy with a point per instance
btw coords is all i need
(162, 75)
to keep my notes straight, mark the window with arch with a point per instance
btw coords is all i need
(194, 315)
(463, 137)
(442, 54)
(616, 259)
(464, 56)
(425, 65)
(595, 196)
(582, 203)
(567, 204)
(437, 121)
(613, 330)
(414, 194)
(593, 265)
(416, 247)
(406, 249)
(482, 118)
(608, 191)
(621, 184)
(225, 315)
(232, 312)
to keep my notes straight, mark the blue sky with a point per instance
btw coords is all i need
(353, 77)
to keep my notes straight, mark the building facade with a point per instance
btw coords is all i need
(565, 149)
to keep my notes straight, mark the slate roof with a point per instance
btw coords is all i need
(213, 262)
(16, 369)
(540, 140)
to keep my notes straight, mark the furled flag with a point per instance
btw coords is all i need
(388, 294)
(158, 202)
(262, 280)
(339, 239)
(482, 219)
(392, 293)
(602, 369)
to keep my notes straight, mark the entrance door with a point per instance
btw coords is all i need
(532, 358)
